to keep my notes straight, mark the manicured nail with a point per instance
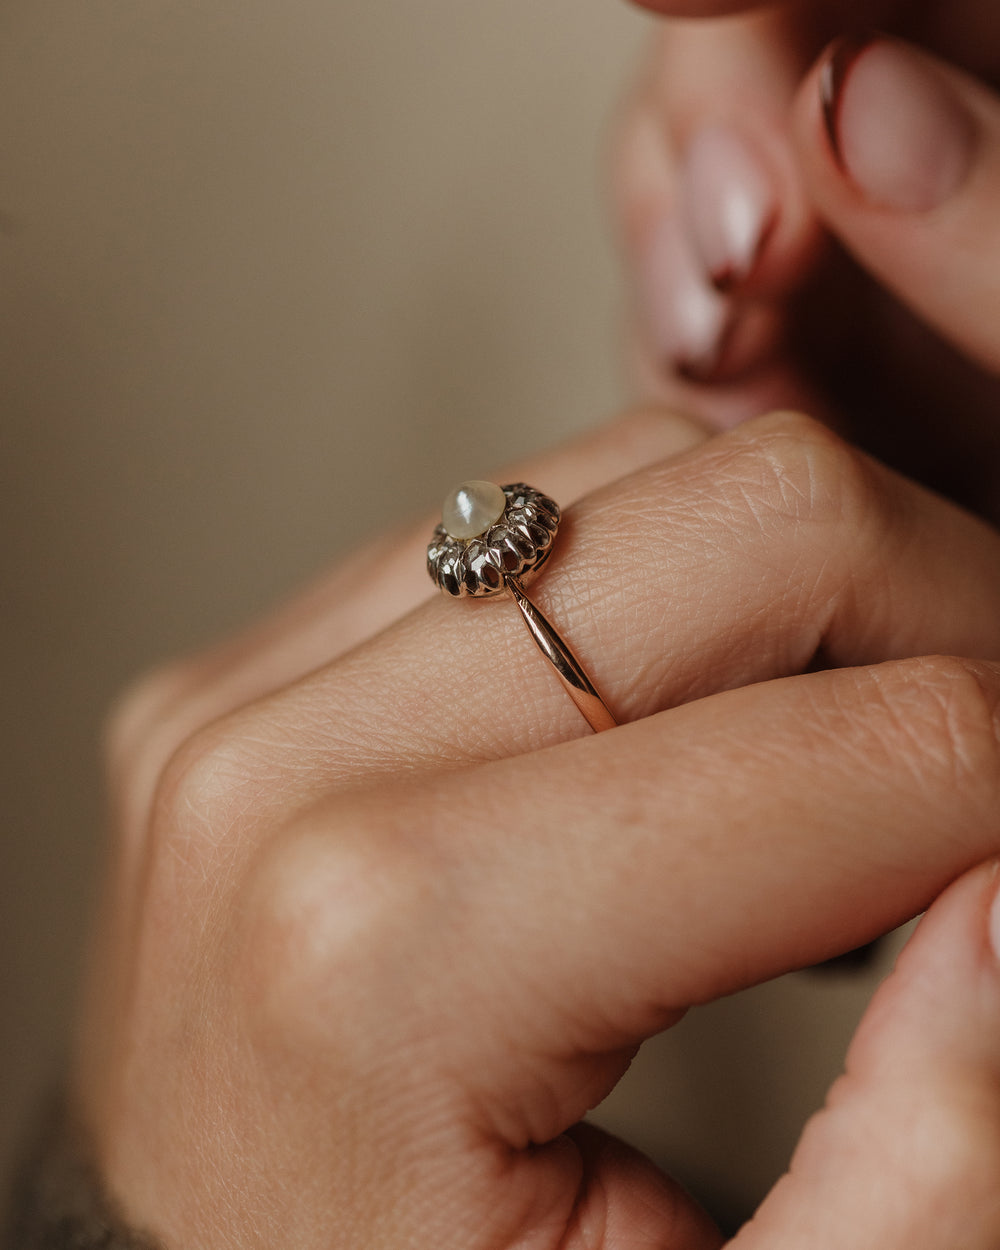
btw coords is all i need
(897, 128)
(686, 319)
(728, 204)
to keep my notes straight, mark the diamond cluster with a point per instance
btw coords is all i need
(517, 544)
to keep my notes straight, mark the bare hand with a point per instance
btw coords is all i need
(382, 926)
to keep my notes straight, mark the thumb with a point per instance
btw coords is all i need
(907, 1151)
(901, 156)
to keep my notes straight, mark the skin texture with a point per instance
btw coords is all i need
(336, 907)
(383, 921)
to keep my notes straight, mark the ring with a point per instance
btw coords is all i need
(490, 541)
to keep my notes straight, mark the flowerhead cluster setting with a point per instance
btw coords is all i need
(488, 534)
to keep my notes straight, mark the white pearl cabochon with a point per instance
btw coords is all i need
(472, 508)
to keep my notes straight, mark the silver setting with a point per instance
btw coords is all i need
(497, 562)
(515, 547)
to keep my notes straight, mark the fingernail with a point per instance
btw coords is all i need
(687, 320)
(897, 128)
(728, 204)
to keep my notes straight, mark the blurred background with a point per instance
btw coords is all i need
(261, 265)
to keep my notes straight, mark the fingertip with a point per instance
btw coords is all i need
(743, 206)
(729, 204)
(625, 1195)
(717, 230)
(940, 1009)
(907, 1146)
(900, 154)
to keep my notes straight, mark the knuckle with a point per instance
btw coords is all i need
(948, 709)
(209, 786)
(328, 934)
(795, 469)
(934, 721)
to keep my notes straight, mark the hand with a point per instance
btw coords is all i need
(382, 926)
(727, 175)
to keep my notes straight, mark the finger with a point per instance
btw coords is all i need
(622, 1200)
(353, 602)
(741, 561)
(716, 228)
(906, 1152)
(495, 941)
(901, 155)
(583, 897)
(775, 385)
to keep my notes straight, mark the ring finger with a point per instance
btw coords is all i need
(342, 609)
(752, 557)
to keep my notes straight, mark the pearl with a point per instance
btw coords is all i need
(471, 509)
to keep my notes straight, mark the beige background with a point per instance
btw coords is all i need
(274, 274)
